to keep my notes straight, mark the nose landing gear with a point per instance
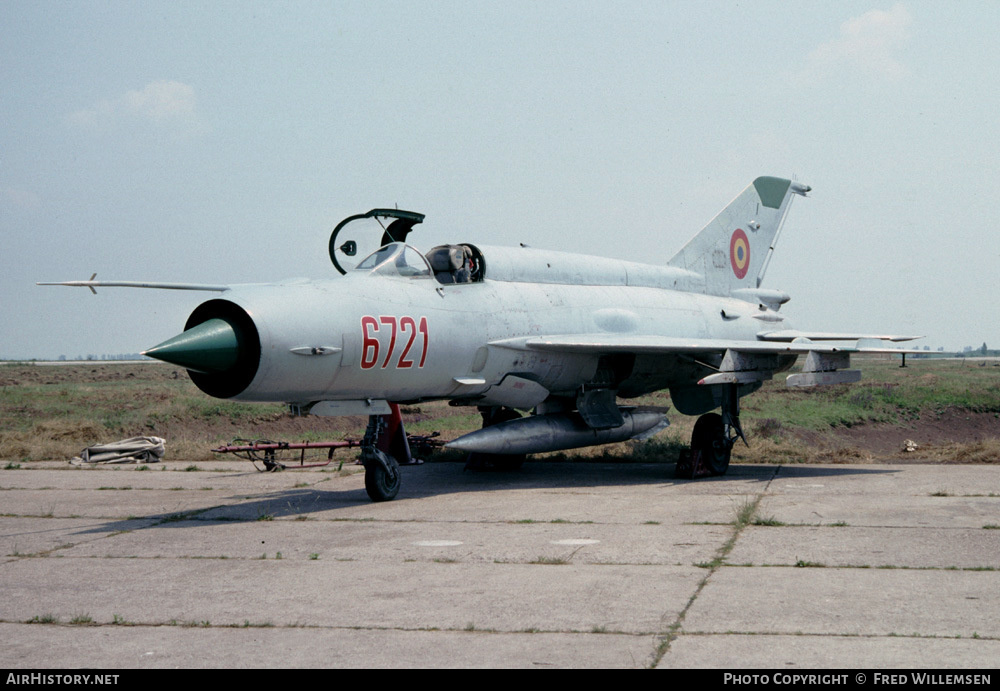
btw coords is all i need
(383, 449)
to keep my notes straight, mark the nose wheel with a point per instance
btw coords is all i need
(382, 477)
(384, 442)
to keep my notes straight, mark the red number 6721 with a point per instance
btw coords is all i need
(372, 345)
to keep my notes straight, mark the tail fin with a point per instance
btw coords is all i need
(732, 252)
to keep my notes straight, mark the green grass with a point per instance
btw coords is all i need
(43, 619)
(52, 413)
(665, 446)
(450, 422)
(802, 564)
(745, 512)
(767, 521)
(887, 393)
(55, 412)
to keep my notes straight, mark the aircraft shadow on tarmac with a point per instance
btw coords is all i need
(438, 479)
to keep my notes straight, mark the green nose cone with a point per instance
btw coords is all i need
(210, 347)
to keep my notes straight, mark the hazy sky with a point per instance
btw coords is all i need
(221, 142)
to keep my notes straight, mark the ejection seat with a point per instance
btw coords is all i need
(451, 263)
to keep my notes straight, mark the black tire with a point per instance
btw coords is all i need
(382, 484)
(709, 439)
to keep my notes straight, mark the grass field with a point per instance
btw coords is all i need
(949, 408)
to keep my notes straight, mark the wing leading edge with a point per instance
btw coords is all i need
(743, 362)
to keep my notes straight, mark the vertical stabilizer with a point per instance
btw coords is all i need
(733, 250)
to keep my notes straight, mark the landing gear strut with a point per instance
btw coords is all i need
(384, 442)
(714, 435)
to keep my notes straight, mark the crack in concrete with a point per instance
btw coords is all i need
(744, 517)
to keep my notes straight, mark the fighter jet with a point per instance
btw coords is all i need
(544, 344)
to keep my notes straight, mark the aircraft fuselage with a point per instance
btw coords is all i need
(406, 338)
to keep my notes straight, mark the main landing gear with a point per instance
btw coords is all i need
(715, 435)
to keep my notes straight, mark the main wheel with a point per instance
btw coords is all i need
(382, 477)
(709, 438)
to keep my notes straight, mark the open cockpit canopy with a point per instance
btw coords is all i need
(398, 259)
(377, 228)
(449, 264)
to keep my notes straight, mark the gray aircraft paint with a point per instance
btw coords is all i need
(561, 335)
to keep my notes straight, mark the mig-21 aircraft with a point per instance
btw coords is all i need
(559, 337)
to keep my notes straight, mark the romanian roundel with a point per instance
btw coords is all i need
(739, 253)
